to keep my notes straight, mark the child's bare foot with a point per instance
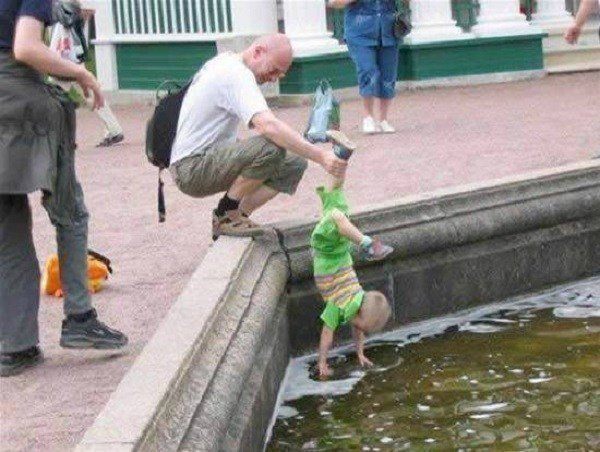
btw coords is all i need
(377, 251)
(324, 370)
(364, 361)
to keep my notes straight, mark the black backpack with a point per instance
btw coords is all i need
(161, 131)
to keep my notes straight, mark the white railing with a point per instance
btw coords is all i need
(158, 17)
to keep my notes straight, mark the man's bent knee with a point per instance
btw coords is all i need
(270, 152)
(289, 175)
(267, 158)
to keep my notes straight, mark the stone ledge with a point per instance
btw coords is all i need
(132, 412)
(474, 212)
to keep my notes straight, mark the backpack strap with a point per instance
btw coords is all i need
(162, 212)
(105, 260)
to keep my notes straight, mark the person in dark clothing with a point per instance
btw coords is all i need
(37, 147)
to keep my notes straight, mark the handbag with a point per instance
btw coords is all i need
(402, 25)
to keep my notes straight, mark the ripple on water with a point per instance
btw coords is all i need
(522, 375)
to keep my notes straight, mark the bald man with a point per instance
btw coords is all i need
(207, 158)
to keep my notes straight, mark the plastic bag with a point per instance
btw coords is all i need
(66, 44)
(325, 114)
(98, 270)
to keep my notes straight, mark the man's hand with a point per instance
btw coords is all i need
(332, 164)
(364, 361)
(339, 4)
(572, 34)
(88, 83)
(324, 370)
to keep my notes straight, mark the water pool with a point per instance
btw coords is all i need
(519, 375)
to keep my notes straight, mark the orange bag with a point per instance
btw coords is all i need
(98, 271)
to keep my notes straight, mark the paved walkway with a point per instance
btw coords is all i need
(445, 137)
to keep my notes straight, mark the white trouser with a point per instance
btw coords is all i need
(111, 124)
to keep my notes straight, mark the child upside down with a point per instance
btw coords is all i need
(336, 280)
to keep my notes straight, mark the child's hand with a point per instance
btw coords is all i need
(324, 370)
(364, 361)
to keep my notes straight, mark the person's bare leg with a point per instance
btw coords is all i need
(384, 125)
(346, 228)
(243, 187)
(227, 218)
(368, 105)
(384, 107)
(256, 199)
(334, 182)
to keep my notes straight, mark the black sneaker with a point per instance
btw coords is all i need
(110, 140)
(17, 362)
(90, 333)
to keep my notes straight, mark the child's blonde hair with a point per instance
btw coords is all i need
(374, 311)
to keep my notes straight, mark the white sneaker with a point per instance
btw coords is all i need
(386, 127)
(369, 126)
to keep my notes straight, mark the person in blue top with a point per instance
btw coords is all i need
(369, 35)
(37, 153)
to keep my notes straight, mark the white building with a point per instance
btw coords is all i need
(140, 43)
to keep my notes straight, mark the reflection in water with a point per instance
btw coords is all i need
(522, 375)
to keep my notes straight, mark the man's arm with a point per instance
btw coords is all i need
(30, 49)
(585, 9)
(268, 125)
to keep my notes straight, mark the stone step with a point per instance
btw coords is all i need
(572, 59)
(562, 57)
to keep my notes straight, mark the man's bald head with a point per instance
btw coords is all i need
(277, 43)
(269, 57)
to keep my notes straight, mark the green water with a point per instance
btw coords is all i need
(522, 377)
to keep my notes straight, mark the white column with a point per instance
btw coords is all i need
(305, 23)
(256, 17)
(432, 21)
(106, 57)
(551, 13)
(502, 18)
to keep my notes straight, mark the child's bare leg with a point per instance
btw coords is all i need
(343, 148)
(334, 182)
(324, 347)
(346, 228)
(359, 338)
(373, 249)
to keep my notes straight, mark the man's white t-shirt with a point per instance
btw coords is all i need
(223, 93)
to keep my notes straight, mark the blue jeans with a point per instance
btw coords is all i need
(377, 69)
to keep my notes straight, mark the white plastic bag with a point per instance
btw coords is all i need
(325, 114)
(63, 43)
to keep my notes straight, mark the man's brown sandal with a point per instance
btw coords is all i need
(233, 223)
